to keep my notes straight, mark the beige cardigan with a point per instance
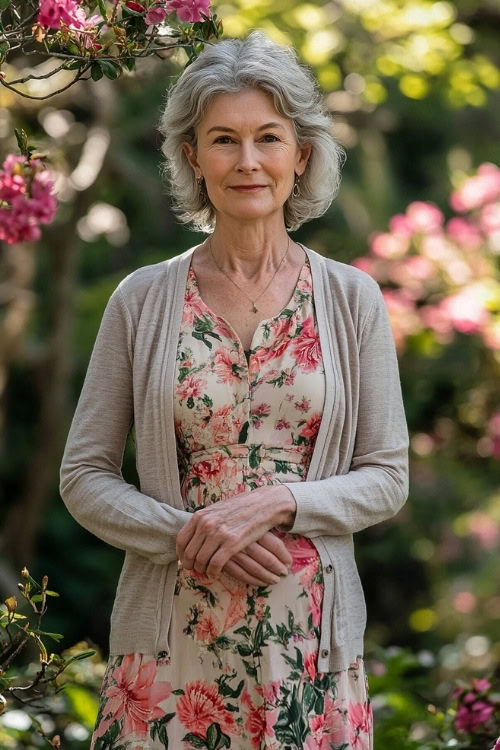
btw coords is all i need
(358, 474)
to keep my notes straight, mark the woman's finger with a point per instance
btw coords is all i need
(257, 568)
(258, 558)
(275, 545)
(199, 552)
(236, 571)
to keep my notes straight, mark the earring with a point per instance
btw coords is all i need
(296, 187)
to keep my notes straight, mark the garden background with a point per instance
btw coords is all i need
(414, 88)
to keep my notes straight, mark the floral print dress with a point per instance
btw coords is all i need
(241, 668)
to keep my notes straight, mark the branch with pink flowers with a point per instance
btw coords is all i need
(102, 44)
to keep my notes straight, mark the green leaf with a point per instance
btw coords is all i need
(110, 69)
(102, 9)
(4, 4)
(79, 657)
(195, 740)
(213, 736)
(96, 72)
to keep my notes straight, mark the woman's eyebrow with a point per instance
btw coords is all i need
(230, 130)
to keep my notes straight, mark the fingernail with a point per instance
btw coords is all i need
(284, 575)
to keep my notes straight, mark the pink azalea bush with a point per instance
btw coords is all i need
(26, 199)
(478, 710)
(442, 276)
(71, 13)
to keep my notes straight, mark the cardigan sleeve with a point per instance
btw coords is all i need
(91, 481)
(377, 483)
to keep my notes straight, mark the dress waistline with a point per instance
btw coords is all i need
(292, 454)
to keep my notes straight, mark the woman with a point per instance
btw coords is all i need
(262, 382)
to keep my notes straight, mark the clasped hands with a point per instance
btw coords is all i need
(233, 536)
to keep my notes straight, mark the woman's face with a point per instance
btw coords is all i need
(242, 140)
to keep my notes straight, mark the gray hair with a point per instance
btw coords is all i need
(230, 66)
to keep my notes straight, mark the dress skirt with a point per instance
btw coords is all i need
(241, 667)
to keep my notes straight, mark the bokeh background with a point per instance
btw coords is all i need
(414, 88)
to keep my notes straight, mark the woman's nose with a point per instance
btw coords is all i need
(247, 156)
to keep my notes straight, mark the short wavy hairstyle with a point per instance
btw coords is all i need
(230, 66)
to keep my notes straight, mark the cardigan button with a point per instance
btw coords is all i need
(324, 652)
(328, 568)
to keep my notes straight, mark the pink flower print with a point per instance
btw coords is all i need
(360, 723)
(306, 348)
(288, 376)
(189, 11)
(269, 692)
(303, 405)
(309, 572)
(258, 722)
(302, 551)
(200, 706)
(328, 729)
(190, 387)
(282, 424)
(193, 307)
(310, 665)
(227, 365)
(262, 410)
(311, 427)
(304, 285)
(221, 425)
(135, 696)
(209, 468)
(282, 327)
(208, 628)
(315, 601)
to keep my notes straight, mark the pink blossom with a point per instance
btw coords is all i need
(52, 12)
(155, 15)
(189, 11)
(464, 233)
(475, 191)
(401, 224)
(386, 245)
(471, 717)
(482, 684)
(424, 217)
(29, 203)
(466, 311)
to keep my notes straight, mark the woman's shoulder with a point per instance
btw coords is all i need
(151, 280)
(347, 282)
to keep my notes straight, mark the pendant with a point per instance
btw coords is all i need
(254, 309)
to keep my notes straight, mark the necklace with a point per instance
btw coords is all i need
(254, 309)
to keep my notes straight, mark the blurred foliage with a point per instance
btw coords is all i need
(414, 88)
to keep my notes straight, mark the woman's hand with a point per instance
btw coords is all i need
(217, 533)
(261, 563)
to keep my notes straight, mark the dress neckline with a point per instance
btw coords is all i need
(292, 308)
(293, 304)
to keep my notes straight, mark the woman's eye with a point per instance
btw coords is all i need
(267, 135)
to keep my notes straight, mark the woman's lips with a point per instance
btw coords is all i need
(250, 189)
